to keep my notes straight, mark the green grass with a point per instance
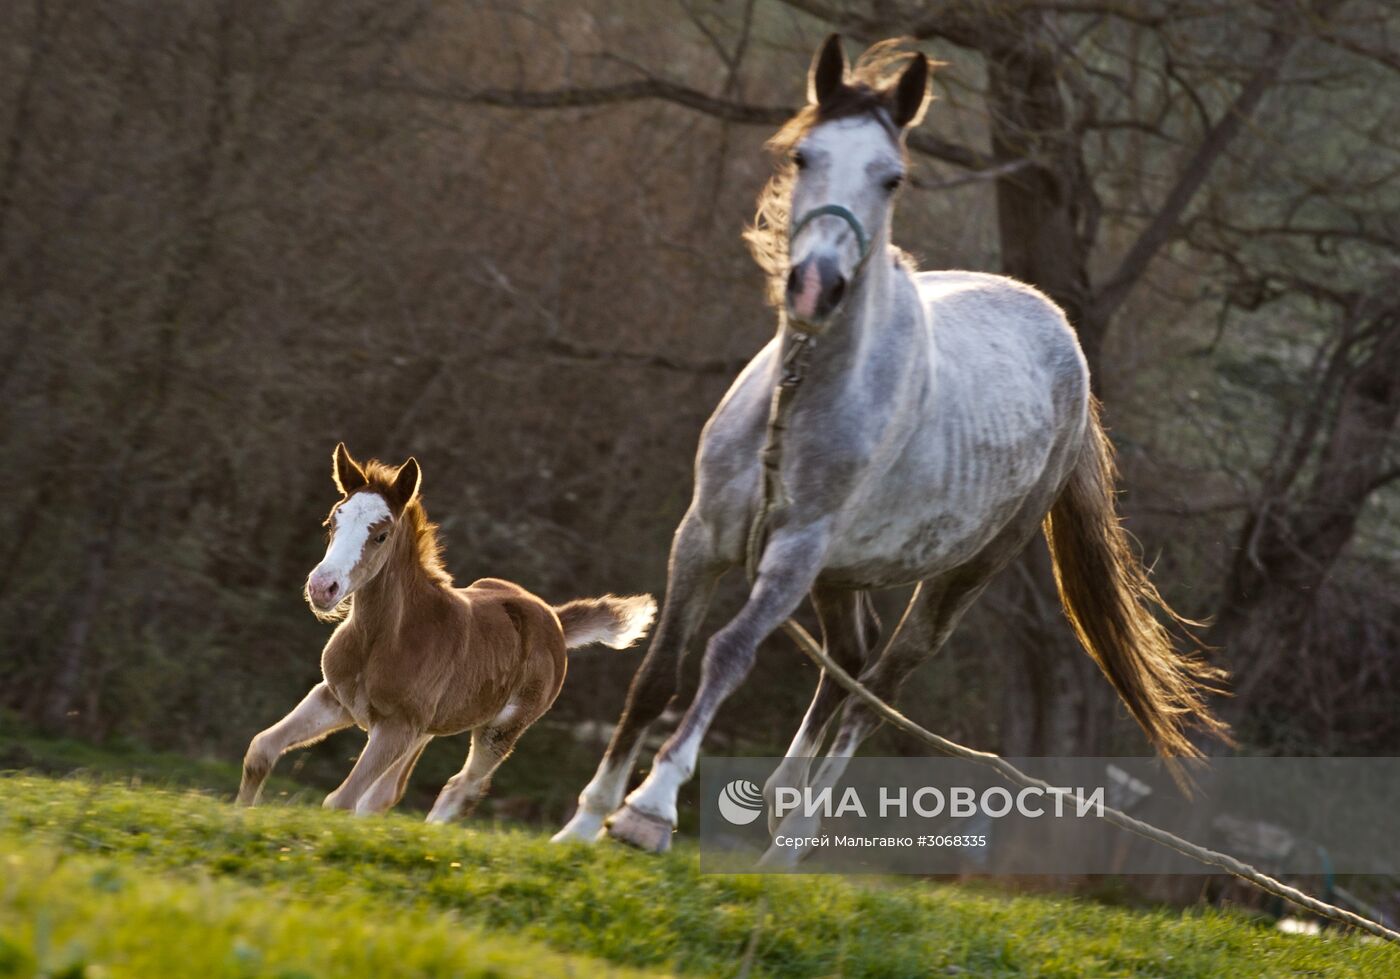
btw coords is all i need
(96, 917)
(25, 750)
(540, 782)
(137, 881)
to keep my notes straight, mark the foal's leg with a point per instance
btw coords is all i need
(932, 614)
(463, 791)
(406, 769)
(388, 788)
(848, 632)
(789, 568)
(690, 584)
(318, 715)
(389, 741)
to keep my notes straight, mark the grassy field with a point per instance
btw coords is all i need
(105, 879)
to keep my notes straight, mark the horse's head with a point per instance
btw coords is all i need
(848, 157)
(363, 526)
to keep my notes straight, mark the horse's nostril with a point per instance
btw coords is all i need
(838, 289)
(332, 588)
(794, 280)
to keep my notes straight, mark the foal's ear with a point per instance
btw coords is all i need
(911, 95)
(406, 483)
(346, 471)
(828, 72)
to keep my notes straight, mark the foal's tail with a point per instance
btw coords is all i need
(1108, 599)
(610, 620)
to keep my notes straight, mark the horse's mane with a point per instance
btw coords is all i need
(867, 90)
(427, 547)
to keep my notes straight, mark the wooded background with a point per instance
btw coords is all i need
(505, 238)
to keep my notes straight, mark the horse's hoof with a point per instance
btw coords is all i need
(640, 829)
(585, 827)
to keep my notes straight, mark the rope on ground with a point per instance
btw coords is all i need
(1013, 774)
(798, 350)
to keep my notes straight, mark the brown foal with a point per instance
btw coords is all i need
(416, 658)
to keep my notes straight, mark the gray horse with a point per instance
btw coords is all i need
(942, 419)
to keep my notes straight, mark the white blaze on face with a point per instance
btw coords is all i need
(848, 162)
(353, 520)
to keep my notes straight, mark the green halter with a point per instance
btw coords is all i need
(837, 211)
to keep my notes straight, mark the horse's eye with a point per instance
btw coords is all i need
(799, 161)
(892, 183)
(382, 538)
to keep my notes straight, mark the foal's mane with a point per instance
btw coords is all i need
(868, 90)
(427, 548)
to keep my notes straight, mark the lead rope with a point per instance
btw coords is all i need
(794, 369)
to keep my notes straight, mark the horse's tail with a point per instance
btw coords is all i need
(610, 620)
(1108, 599)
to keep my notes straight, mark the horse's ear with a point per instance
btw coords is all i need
(346, 471)
(911, 95)
(406, 483)
(828, 71)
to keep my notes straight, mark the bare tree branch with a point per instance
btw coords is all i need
(1388, 476)
(1162, 226)
(569, 350)
(666, 91)
(582, 97)
(977, 25)
(1383, 56)
(991, 173)
(952, 22)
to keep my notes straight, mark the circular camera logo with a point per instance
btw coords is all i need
(740, 802)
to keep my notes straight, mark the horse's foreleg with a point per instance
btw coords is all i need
(389, 741)
(690, 584)
(789, 568)
(846, 628)
(463, 791)
(318, 715)
(389, 788)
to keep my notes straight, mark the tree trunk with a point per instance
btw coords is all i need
(1289, 544)
(84, 603)
(22, 122)
(189, 264)
(1042, 208)
(1057, 703)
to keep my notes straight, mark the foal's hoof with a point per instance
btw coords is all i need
(640, 829)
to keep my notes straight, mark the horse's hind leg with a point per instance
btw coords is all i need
(318, 715)
(933, 612)
(849, 631)
(788, 570)
(692, 579)
(463, 791)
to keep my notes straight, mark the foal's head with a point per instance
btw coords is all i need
(363, 527)
(829, 207)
